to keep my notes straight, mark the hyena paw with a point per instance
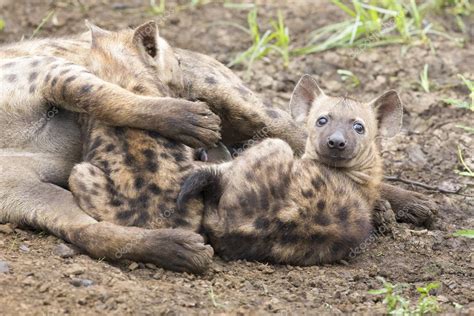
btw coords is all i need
(383, 217)
(417, 209)
(181, 250)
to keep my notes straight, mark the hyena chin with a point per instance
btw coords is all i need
(269, 205)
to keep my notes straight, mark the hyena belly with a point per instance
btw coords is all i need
(132, 177)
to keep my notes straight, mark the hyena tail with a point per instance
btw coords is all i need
(206, 182)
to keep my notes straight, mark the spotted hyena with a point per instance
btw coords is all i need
(45, 84)
(132, 177)
(269, 205)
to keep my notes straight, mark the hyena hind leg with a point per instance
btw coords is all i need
(88, 184)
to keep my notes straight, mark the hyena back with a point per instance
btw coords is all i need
(268, 205)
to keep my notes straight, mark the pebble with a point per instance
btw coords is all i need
(133, 266)
(24, 248)
(64, 251)
(4, 267)
(81, 282)
(6, 229)
(75, 270)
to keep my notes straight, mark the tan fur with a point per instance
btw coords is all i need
(269, 205)
(132, 177)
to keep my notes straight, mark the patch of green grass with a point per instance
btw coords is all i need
(460, 103)
(2, 24)
(374, 23)
(424, 79)
(398, 305)
(275, 40)
(349, 76)
(467, 172)
(43, 22)
(157, 9)
(469, 233)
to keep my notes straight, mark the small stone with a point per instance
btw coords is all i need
(43, 288)
(64, 251)
(24, 248)
(150, 266)
(75, 270)
(4, 267)
(81, 282)
(6, 229)
(133, 266)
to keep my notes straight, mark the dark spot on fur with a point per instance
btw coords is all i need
(125, 215)
(32, 76)
(70, 79)
(262, 223)
(54, 81)
(210, 80)
(151, 166)
(321, 205)
(97, 142)
(307, 194)
(164, 156)
(86, 89)
(149, 154)
(129, 159)
(343, 213)
(178, 156)
(322, 219)
(92, 171)
(9, 64)
(110, 147)
(139, 183)
(154, 189)
(32, 88)
(34, 63)
(138, 88)
(179, 222)
(11, 77)
(272, 113)
(48, 77)
(317, 183)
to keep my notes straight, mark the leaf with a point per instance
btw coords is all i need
(469, 233)
(378, 292)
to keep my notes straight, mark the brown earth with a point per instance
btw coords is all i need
(39, 281)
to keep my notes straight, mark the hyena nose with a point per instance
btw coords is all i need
(337, 141)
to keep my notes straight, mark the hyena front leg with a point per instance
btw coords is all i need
(59, 82)
(243, 113)
(26, 199)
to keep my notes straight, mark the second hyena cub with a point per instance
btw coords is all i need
(268, 205)
(132, 177)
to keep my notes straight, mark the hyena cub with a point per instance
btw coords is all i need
(132, 177)
(268, 205)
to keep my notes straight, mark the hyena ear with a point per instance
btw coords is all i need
(96, 32)
(304, 94)
(389, 112)
(147, 36)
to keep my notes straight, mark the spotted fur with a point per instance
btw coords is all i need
(269, 205)
(131, 177)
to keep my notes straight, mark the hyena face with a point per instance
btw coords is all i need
(342, 130)
(156, 68)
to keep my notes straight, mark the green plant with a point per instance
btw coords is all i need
(43, 22)
(424, 80)
(460, 103)
(427, 304)
(347, 75)
(2, 24)
(277, 39)
(374, 23)
(398, 305)
(468, 233)
(467, 171)
(392, 298)
(157, 9)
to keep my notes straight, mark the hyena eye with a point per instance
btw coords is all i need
(322, 121)
(358, 127)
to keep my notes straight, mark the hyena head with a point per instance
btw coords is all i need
(341, 131)
(138, 60)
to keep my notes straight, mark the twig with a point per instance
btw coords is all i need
(420, 184)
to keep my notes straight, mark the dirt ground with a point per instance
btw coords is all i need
(40, 281)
